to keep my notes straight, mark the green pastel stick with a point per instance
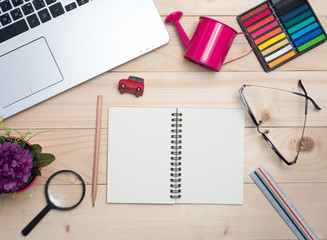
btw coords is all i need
(311, 43)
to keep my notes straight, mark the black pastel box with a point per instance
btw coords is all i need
(281, 30)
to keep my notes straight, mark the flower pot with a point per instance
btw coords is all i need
(20, 161)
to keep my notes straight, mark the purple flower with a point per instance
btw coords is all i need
(15, 167)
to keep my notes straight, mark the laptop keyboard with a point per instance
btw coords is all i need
(18, 16)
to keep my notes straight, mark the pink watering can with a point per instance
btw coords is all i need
(210, 43)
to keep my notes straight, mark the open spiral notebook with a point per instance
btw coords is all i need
(175, 155)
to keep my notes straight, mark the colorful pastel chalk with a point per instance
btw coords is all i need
(281, 59)
(254, 12)
(257, 17)
(290, 8)
(282, 30)
(294, 13)
(268, 35)
(264, 29)
(261, 23)
(301, 25)
(275, 47)
(304, 31)
(271, 41)
(311, 43)
(280, 4)
(298, 19)
(278, 53)
(307, 37)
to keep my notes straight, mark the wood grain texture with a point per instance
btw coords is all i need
(74, 150)
(172, 81)
(76, 107)
(255, 219)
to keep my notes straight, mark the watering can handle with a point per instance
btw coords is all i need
(245, 54)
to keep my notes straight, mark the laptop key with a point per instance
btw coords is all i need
(17, 2)
(27, 9)
(50, 1)
(44, 15)
(13, 30)
(5, 6)
(81, 2)
(70, 6)
(33, 21)
(56, 10)
(5, 19)
(16, 14)
(38, 4)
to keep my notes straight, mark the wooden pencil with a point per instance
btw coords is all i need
(96, 149)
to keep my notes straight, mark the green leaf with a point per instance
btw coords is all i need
(35, 149)
(44, 160)
(35, 171)
(40, 159)
(2, 139)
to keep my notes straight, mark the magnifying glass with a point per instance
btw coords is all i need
(64, 190)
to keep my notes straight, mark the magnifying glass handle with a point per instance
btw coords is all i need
(36, 220)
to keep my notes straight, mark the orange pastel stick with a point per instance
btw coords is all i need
(268, 35)
(281, 59)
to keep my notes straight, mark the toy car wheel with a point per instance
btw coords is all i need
(138, 89)
(122, 85)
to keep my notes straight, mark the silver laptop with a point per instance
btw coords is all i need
(49, 46)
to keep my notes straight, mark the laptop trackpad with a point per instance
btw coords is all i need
(27, 70)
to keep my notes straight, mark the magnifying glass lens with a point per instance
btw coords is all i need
(65, 190)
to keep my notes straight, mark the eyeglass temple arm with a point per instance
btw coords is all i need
(306, 96)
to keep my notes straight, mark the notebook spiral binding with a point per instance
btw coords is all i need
(176, 152)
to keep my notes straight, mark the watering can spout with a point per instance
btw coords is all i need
(173, 18)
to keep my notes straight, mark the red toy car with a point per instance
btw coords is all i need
(133, 85)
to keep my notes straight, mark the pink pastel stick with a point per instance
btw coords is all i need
(257, 17)
(264, 29)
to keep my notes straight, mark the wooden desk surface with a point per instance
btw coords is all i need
(173, 81)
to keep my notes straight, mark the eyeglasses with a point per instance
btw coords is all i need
(258, 124)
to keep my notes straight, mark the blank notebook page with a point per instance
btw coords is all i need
(212, 156)
(142, 152)
(139, 155)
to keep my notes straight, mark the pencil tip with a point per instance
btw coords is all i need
(93, 204)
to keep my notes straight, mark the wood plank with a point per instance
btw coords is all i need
(219, 7)
(170, 57)
(76, 108)
(146, 221)
(74, 150)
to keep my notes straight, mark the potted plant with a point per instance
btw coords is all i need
(20, 161)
